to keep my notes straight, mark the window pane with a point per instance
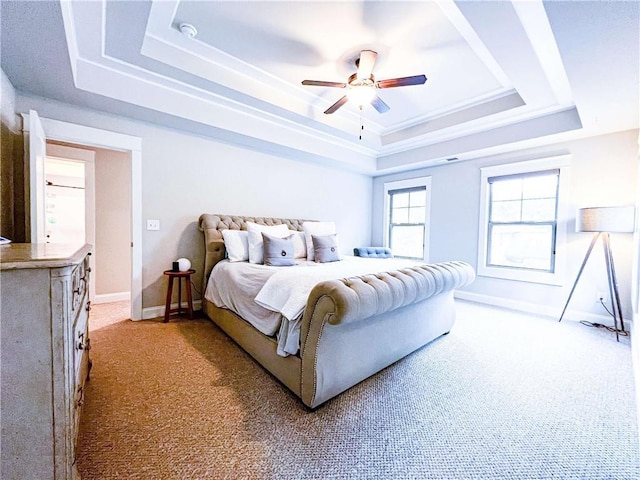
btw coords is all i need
(408, 241)
(400, 199)
(505, 211)
(416, 215)
(540, 187)
(417, 198)
(521, 246)
(507, 189)
(400, 215)
(539, 210)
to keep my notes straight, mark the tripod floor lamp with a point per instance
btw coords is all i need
(602, 221)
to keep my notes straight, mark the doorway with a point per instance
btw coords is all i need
(98, 214)
(38, 132)
(65, 204)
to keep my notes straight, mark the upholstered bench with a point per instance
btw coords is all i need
(373, 252)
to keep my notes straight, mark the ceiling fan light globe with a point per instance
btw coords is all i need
(361, 95)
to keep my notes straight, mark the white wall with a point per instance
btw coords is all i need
(184, 176)
(604, 171)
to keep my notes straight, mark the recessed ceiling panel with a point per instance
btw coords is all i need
(294, 41)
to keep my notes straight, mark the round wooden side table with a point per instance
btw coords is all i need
(168, 311)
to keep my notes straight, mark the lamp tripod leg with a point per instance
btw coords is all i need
(613, 287)
(584, 262)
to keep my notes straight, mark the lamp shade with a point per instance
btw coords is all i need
(183, 264)
(606, 219)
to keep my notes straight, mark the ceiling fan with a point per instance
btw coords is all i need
(362, 84)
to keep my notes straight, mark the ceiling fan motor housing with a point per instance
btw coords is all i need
(354, 81)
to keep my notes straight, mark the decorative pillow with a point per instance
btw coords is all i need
(325, 248)
(237, 244)
(316, 228)
(278, 252)
(255, 238)
(299, 244)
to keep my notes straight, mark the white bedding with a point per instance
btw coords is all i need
(273, 299)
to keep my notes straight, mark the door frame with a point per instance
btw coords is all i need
(95, 137)
(35, 149)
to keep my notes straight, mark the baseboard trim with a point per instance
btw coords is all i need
(635, 360)
(543, 310)
(112, 297)
(158, 311)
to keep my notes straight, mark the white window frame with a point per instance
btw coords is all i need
(561, 162)
(409, 183)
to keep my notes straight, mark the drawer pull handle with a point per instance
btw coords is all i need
(80, 400)
(82, 344)
(77, 291)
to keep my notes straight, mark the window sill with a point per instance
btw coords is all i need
(544, 278)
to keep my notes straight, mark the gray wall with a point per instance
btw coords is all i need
(604, 171)
(185, 175)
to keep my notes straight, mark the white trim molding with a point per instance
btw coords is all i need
(537, 309)
(112, 297)
(409, 183)
(95, 137)
(158, 311)
(557, 277)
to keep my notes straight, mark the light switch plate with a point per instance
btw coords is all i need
(153, 224)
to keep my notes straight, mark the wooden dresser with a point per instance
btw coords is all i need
(44, 357)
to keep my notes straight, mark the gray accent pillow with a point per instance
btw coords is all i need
(325, 248)
(278, 252)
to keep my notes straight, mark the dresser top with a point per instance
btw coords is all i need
(15, 256)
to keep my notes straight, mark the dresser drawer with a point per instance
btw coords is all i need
(81, 362)
(79, 283)
(82, 342)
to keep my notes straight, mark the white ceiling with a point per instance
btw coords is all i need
(500, 74)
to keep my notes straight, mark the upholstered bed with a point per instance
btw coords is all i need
(351, 327)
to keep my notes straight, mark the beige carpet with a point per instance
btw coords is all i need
(503, 396)
(105, 314)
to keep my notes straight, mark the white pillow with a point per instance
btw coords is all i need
(316, 228)
(237, 244)
(256, 246)
(299, 244)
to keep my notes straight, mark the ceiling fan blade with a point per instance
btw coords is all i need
(379, 105)
(336, 105)
(320, 83)
(402, 82)
(365, 64)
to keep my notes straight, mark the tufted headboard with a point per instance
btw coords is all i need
(212, 226)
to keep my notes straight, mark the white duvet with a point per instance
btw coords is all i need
(273, 299)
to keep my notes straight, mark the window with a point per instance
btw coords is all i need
(523, 220)
(406, 217)
(520, 236)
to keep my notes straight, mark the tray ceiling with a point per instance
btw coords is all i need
(499, 73)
